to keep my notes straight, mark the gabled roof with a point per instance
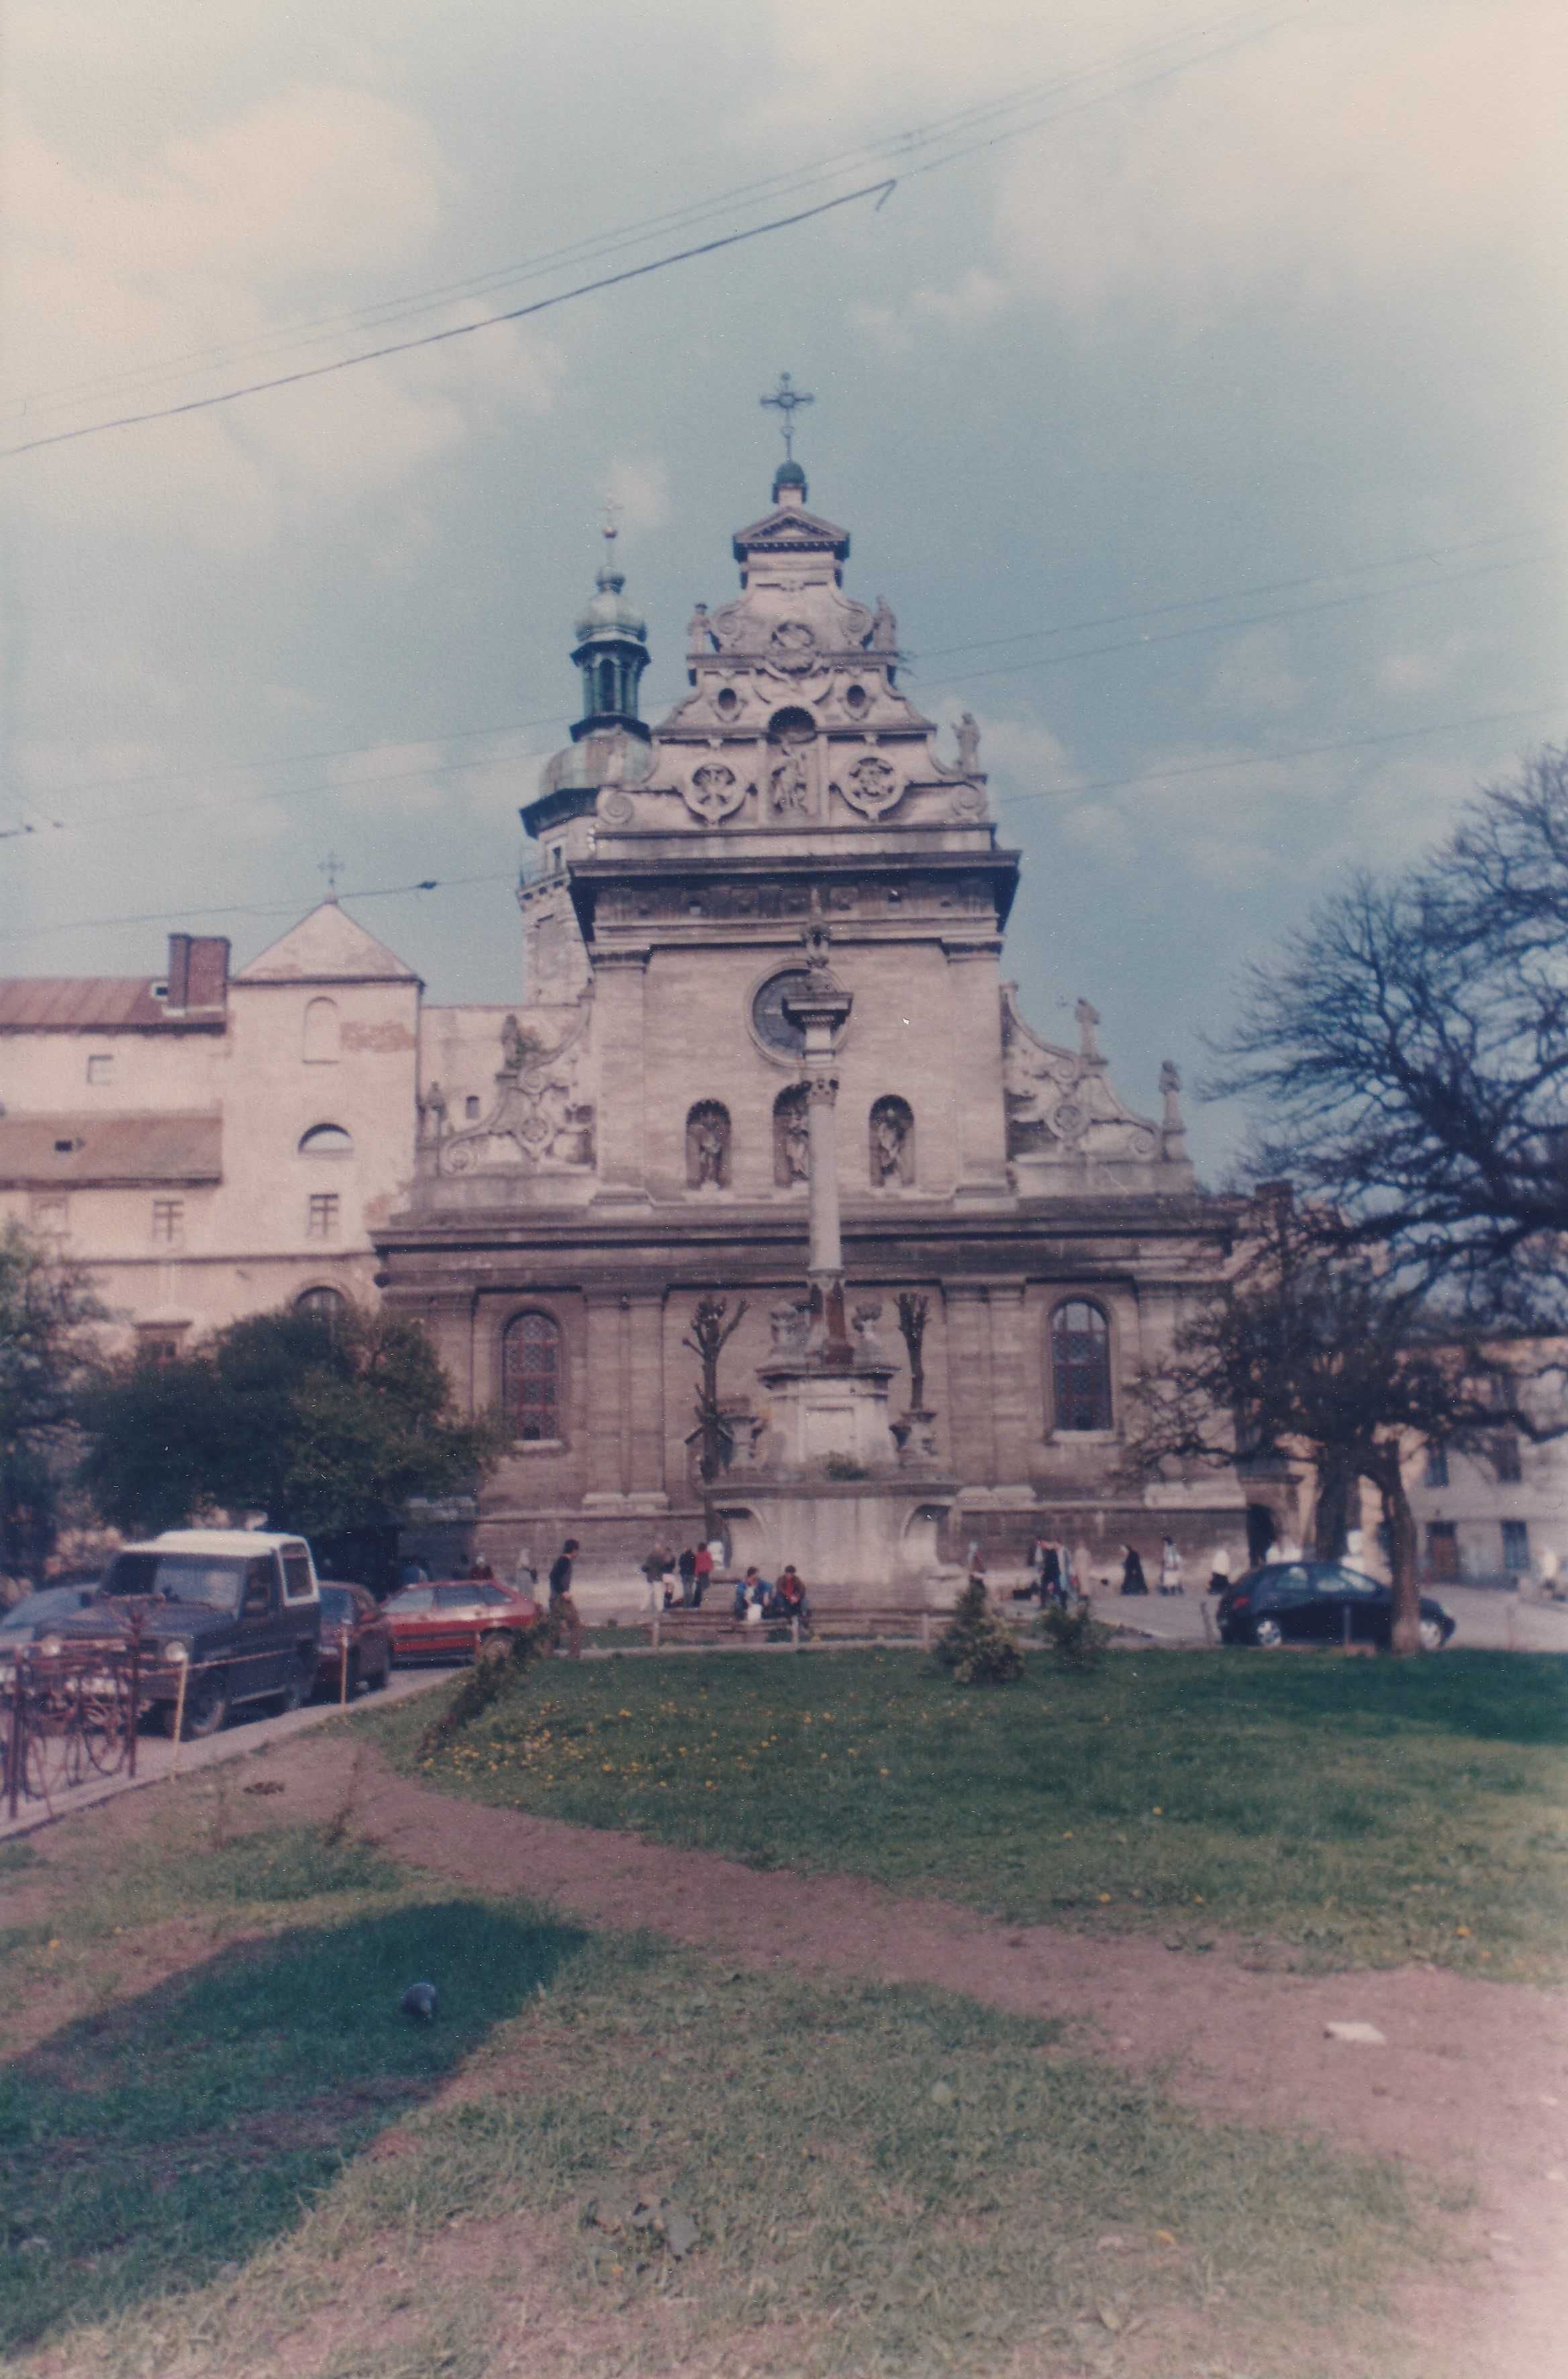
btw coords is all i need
(791, 528)
(327, 946)
(78, 1151)
(78, 1002)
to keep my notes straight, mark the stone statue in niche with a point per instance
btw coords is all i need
(968, 733)
(891, 1153)
(790, 784)
(884, 628)
(791, 1139)
(708, 1147)
(699, 633)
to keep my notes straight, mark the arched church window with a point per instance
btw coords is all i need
(892, 1144)
(321, 1041)
(708, 1146)
(1080, 1367)
(531, 1378)
(791, 1137)
(330, 1304)
(327, 1140)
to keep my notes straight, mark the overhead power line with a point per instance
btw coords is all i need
(1045, 792)
(879, 191)
(902, 147)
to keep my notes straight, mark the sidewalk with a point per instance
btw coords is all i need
(250, 1730)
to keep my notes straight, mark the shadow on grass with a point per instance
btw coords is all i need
(143, 2149)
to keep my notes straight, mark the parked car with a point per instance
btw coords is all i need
(452, 1618)
(238, 1610)
(352, 1616)
(33, 1618)
(1320, 1602)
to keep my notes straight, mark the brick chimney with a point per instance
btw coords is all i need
(198, 973)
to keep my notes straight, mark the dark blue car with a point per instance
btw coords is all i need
(1320, 1602)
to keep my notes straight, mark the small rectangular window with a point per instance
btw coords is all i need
(1506, 1459)
(471, 1110)
(322, 1216)
(1516, 1547)
(168, 1221)
(296, 1574)
(1442, 1549)
(99, 1069)
(1437, 1465)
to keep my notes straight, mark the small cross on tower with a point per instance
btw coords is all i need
(787, 398)
(331, 867)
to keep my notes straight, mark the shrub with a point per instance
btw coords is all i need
(843, 1467)
(492, 1675)
(975, 1648)
(1077, 1639)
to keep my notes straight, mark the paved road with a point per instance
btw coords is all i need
(1486, 1620)
(155, 1755)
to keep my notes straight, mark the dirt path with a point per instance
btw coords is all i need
(1471, 2087)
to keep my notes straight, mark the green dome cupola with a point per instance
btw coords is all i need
(611, 652)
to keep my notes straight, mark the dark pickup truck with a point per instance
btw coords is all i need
(237, 1611)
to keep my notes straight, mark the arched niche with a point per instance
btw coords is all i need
(891, 1144)
(708, 1146)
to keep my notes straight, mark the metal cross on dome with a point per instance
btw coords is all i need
(787, 397)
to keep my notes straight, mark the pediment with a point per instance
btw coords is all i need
(791, 529)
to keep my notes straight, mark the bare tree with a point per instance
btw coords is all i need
(1317, 1341)
(1411, 1049)
(711, 1333)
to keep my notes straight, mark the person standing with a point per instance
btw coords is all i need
(563, 1610)
(687, 1566)
(653, 1570)
(1170, 1568)
(1133, 1579)
(1219, 1572)
(1052, 1585)
(702, 1572)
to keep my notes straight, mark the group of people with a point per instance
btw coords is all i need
(1171, 1579)
(758, 1598)
(1052, 1576)
(680, 1580)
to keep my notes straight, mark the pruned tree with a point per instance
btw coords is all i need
(1317, 1343)
(1408, 1051)
(710, 1333)
(326, 1423)
(48, 1314)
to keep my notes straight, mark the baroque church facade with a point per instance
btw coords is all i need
(632, 1139)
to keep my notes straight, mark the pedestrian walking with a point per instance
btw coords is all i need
(1170, 1568)
(653, 1567)
(562, 1607)
(687, 1566)
(702, 1573)
(1133, 1579)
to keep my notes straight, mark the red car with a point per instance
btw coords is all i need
(352, 1613)
(452, 1619)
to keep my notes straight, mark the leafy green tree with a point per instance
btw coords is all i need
(323, 1423)
(975, 1648)
(47, 1343)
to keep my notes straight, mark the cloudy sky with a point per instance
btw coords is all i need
(1195, 397)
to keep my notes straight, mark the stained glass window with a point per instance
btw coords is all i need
(1081, 1367)
(531, 1383)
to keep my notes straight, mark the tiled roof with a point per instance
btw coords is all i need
(77, 1003)
(66, 1152)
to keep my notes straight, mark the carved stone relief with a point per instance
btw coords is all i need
(715, 792)
(871, 785)
(708, 1146)
(791, 1137)
(537, 1124)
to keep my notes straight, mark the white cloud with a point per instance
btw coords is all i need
(641, 488)
(957, 310)
(205, 255)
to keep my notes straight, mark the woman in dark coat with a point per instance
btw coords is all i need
(1133, 1579)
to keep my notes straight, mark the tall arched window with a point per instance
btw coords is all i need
(1080, 1367)
(330, 1303)
(530, 1372)
(320, 1033)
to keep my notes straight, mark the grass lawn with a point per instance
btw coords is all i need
(255, 2164)
(1361, 1812)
